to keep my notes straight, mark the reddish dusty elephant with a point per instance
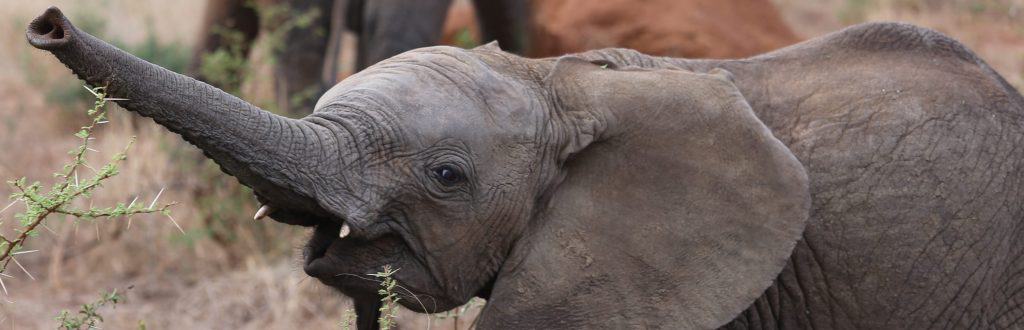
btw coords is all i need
(680, 28)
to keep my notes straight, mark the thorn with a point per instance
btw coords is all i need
(91, 91)
(114, 99)
(48, 229)
(2, 285)
(176, 224)
(8, 206)
(155, 198)
(23, 269)
(130, 207)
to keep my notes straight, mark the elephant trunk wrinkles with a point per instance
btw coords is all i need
(259, 148)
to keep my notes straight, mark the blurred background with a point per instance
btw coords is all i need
(224, 270)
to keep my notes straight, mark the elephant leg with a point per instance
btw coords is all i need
(332, 62)
(505, 21)
(301, 60)
(234, 15)
(368, 314)
(390, 27)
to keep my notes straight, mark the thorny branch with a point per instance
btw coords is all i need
(58, 199)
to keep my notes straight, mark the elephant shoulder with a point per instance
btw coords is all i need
(893, 47)
(880, 38)
(900, 37)
(928, 47)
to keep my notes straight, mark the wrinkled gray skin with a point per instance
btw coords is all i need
(616, 190)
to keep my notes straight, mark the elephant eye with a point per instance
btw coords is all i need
(448, 175)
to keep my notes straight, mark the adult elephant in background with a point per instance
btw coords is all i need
(870, 178)
(678, 28)
(389, 27)
(306, 60)
(301, 67)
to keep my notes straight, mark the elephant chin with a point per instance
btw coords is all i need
(349, 264)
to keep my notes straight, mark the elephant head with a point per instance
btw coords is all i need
(546, 186)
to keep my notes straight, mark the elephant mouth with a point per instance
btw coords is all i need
(348, 265)
(330, 257)
(342, 256)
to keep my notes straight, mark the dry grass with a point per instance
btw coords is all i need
(201, 281)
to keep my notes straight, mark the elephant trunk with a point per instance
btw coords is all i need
(262, 150)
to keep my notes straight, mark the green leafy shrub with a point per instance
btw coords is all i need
(226, 66)
(88, 316)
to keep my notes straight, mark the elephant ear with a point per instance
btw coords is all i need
(678, 207)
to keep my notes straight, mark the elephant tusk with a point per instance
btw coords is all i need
(345, 230)
(262, 212)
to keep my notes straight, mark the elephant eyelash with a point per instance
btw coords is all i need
(448, 175)
(439, 189)
(447, 152)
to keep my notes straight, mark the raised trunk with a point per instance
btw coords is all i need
(264, 151)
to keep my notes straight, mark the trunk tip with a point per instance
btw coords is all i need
(49, 31)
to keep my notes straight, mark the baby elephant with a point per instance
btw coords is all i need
(871, 178)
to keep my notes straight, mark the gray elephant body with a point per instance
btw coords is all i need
(612, 189)
(913, 149)
(917, 216)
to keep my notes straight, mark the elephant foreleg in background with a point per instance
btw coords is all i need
(389, 27)
(504, 21)
(300, 60)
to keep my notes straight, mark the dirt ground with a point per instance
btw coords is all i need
(243, 274)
